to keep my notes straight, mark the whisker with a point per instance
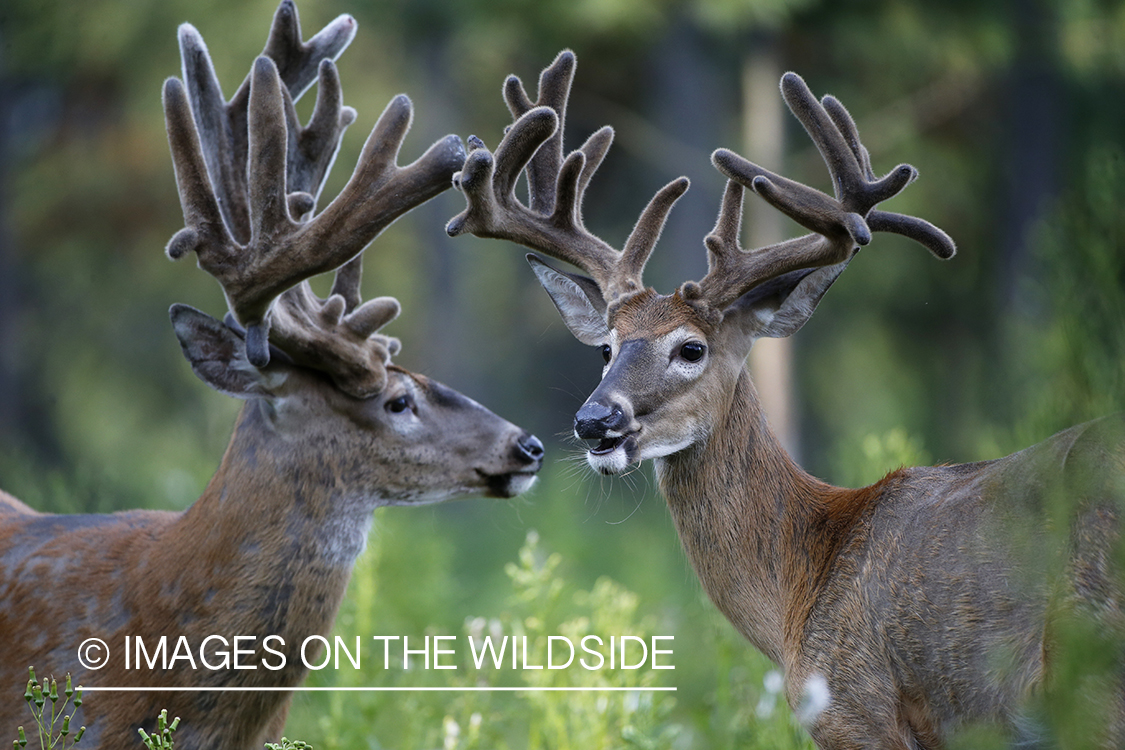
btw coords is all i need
(636, 507)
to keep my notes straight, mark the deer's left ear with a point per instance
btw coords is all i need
(779, 307)
(217, 355)
(578, 300)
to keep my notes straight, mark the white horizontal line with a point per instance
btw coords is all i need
(91, 689)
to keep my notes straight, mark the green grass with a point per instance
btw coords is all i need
(721, 699)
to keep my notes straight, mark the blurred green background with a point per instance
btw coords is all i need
(1012, 110)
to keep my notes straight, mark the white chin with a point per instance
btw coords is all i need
(521, 483)
(614, 462)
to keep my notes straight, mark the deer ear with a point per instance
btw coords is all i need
(578, 300)
(217, 354)
(779, 307)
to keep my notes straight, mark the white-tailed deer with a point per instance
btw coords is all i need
(908, 608)
(330, 430)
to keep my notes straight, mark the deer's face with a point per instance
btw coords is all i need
(664, 376)
(414, 441)
(427, 443)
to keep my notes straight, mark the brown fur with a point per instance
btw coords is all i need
(266, 550)
(651, 315)
(916, 605)
(269, 547)
(922, 600)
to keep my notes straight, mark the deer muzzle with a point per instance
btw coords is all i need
(598, 420)
(611, 424)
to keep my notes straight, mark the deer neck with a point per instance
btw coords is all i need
(272, 537)
(760, 532)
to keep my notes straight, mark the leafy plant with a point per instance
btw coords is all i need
(162, 740)
(288, 744)
(599, 710)
(46, 719)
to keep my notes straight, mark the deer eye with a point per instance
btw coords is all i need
(400, 404)
(692, 351)
(607, 353)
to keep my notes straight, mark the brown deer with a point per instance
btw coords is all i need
(330, 430)
(898, 612)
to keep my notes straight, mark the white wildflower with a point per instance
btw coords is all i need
(815, 697)
(774, 683)
(452, 733)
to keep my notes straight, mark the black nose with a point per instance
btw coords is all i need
(595, 419)
(530, 447)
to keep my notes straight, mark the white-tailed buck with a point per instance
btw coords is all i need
(900, 611)
(330, 430)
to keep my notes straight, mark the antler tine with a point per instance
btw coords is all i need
(939, 243)
(642, 240)
(732, 271)
(493, 211)
(554, 91)
(224, 143)
(312, 149)
(325, 335)
(594, 150)
(840, 224)
(297, 61)
(345, 284)
(553, 223)
(379, 191)
(280, 243)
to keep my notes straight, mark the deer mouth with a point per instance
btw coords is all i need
(508, 485)
(607, 445)
(613, 455)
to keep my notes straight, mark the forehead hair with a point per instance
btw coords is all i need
(653, 314)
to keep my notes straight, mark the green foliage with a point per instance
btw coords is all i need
(37, 695)
(725, 693)
(746, 706)
(162, 740)
(1071, 352)
(541, 603)
(288, 744)
(875, 455)
(435, 571)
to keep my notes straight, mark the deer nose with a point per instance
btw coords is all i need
(530, 448)
(595, 420)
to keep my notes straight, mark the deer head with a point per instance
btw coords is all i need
(249, 177)
(671, 360)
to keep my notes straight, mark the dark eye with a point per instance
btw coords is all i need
(692, 351)
(400, 404)
(607, 353)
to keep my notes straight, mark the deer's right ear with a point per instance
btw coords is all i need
(779, 307)
(217, 354)
(578, 300)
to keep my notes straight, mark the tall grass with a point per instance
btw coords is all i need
(727, 695)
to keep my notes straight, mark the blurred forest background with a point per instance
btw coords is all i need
(1012, 110)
